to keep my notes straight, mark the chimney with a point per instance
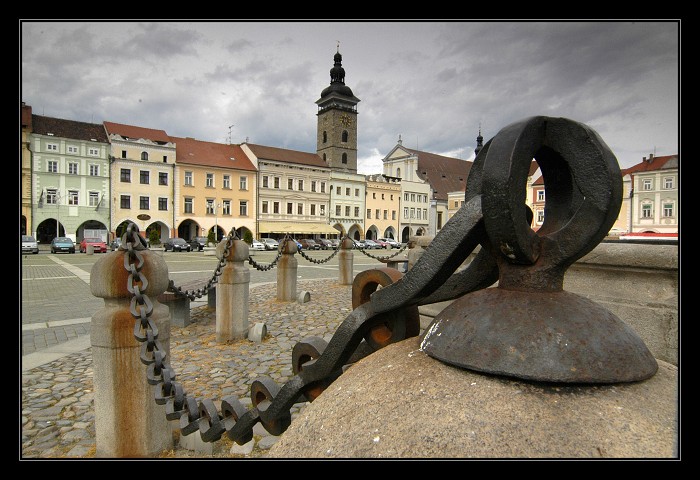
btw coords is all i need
(651, 157)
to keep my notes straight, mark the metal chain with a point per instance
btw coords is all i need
(200, 292)
(313, 260)
(270, 266)
(381, 259)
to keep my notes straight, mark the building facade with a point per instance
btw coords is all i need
(25, 221)
(142, 173)
(654, 201)
(215, 189)
(293, 192)
(70, 179)
(383, 207)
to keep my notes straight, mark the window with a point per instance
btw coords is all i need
(345, 158)
(324, 157)
(347, 191)
(647, 184)
(93, 152)
(405, 197)
(386, 214)
(345, 137)
(398, 172)
(313, 185)
(417, 213)
(357, 212)
(210, 206)
(72, 169)
(93, 198)
(322, 209)
(337, 210)
(540, 216)
(313, 209)
(439, 220)
(144, 155)
(392, 197)
(94, 170)
(165, 159)
(144, 177)
(413, 213)
(243, 183)
(265, 181)
(72, 149)
(337, 190)
(189, 205)
(540, 195)
(646, 210)
(425, 214)
(300, 209)
(226, 209)
(393, 214)
(188, 178)
(382, 196)
(52, 147)
(290, 184)
(163, 204)
(210, 180)
(72, 197)
(144, 203)
(405, 212)
(668, 182)
(290, 208)
(374, 195)
(300, 185)
(227, 181)
(668, 209)
(325, 137)
(277, 182)
(123, 153)
(243, 208)
(52, 166)
(265, 207)
(376, 214)
(347, 210)
(125, 201)
(276, 207)
(456, 203)
(323, 187)
(162, 178)
(369, 213)
(413, 197)
(357, 192)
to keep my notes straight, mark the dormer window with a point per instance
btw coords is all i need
(144, 155)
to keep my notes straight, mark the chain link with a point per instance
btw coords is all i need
(381, 259)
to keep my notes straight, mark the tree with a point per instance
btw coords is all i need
(211, 239)
(154, 237)
(248, 237)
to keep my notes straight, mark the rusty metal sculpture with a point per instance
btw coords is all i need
(527, 327)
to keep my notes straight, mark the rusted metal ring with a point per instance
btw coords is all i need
(262, 393)
(583, 188)
(306, 352)
(390, 326)
(209, 423)
(188, 421)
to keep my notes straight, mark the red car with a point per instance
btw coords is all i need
(98, 245)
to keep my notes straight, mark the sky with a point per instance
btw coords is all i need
(435, 84)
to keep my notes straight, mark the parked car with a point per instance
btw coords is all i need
(359, 243)
(257, 245)
(29, 244)
(115, 244)
(270, 243)
(371, 244)
(392, 243)
(62, 244)
(381, 243)
(335, 242)
(177, 244)
(309, 244)
(325, 244)
(98, 246)
(197, 244)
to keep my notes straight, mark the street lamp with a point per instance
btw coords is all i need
(216, 222)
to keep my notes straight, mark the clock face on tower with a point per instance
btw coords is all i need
(345, 119)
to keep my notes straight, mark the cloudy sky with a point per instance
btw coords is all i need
(433, 83)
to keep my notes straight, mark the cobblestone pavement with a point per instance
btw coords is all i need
(57, 409)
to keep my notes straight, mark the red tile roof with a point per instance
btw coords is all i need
(68, 129)
(131, 131)
(284, 155)
(26, 118)
(656, 163)
(445, 174)
(198, 152)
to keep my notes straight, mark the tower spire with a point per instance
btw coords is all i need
(479, 142)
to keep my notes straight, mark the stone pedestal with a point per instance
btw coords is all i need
(232, 300)
(400, 403)
(287, 272)
(345, 259)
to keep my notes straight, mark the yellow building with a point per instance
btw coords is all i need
(383, 206)
(142, 172)
(215, 187)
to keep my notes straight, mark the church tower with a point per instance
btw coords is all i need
(336, 133)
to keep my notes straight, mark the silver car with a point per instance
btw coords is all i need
(29, 244)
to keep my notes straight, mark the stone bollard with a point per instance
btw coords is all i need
(287, 272)
(345, 259)
(90, 249)
(128, 422)
(416, 246)
(233, 294)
